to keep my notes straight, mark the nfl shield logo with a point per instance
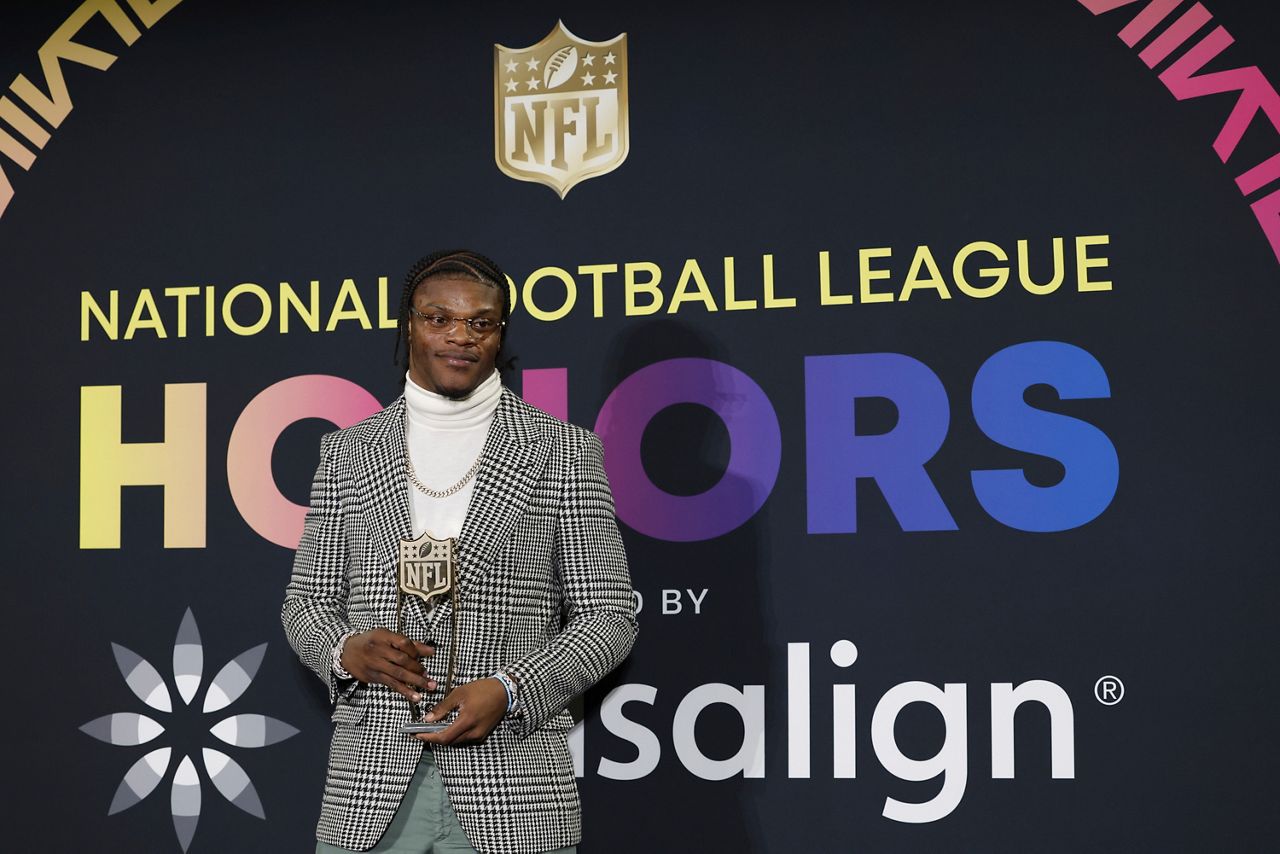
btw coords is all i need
(426, 566)
(560, 109)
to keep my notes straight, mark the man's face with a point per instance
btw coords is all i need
(454, 361)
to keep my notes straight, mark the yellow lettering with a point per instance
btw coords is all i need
(1084, 262)
(107, 464)
(770, 301)
(731, 302)
(691, 273)
(825, 297)
(229, 320)
(632, 287)
(145, 304)
(570, 297)
(1024, 272)
(866, 275)
(597, 273)
(182, 294)
(309, 314)
(924, 258)
(385, 320)
(348, 294)
(1000, 275)
(210, 314)
(109, 323)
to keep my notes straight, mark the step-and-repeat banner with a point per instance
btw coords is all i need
(931, 345)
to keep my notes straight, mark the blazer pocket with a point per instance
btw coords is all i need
(562, 722)
(347, 713)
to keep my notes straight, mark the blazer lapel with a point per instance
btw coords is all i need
(385, 489)
(513, 458)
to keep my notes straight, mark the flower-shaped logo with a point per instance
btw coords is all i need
(129, 729)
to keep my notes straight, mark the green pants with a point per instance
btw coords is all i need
(425, 822)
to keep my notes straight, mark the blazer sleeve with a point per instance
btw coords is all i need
(315, 600)
(600, 625)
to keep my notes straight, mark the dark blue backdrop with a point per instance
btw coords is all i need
(237, 142)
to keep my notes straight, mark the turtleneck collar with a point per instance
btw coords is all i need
(437, 412)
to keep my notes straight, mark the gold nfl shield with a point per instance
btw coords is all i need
(426, 567)
(560, 109)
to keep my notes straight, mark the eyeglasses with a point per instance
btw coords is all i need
(478, 327)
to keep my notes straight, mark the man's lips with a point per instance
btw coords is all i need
(458, 357)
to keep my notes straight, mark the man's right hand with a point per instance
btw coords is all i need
(383, 657)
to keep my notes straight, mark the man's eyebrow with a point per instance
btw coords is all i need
(445, 309)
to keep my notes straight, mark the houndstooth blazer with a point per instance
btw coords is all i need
(544, 593)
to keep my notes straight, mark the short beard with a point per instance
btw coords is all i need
(463, 395)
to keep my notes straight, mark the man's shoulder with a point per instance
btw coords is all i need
(541, 424)
(369, 430)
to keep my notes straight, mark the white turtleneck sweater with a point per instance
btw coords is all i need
(444, 438)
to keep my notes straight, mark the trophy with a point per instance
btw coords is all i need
(428, 569)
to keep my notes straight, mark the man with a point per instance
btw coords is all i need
(545, 604)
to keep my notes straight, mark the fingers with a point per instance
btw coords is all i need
(462, 730)
(389, 658)
(399, 676)
(406, 690)
(381, 651)
(405, 649)
(444, 707)
(400, 680)
(401, 643)
(412, 692)
(447, 736)
(387, 637)
(479, 708)
(404, 661)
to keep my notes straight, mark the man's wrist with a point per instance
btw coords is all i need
(338, 670)
(513, 691)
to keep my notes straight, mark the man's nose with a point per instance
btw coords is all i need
(460, 333)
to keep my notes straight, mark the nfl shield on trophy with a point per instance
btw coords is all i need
(427, 568)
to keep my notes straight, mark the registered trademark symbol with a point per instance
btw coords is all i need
(1109, 690)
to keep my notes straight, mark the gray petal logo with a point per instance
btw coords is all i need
(131, 729)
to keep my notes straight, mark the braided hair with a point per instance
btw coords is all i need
(455, 264)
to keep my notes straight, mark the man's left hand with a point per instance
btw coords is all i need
(480, 705)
